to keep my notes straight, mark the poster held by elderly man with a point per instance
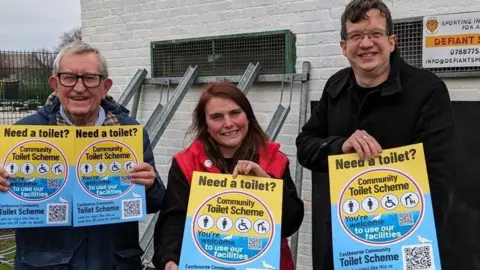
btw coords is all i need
(104, 192)
(382, 214)
(233, 223)
(38, 161)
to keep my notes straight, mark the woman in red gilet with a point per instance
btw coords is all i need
(229, 140)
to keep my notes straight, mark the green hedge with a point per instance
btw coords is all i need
(35, 91)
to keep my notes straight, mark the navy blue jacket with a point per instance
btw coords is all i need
(113, 246)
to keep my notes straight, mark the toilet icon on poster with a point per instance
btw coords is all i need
(27, 168)
(86, 168)
(409, 199)
(12, 168)
(370, 204)
(350, 206)
(101, 167)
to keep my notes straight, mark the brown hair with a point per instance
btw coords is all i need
(254, 139)
(356, 11)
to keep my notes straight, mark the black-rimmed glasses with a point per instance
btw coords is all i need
(373, 35)
(89, 80)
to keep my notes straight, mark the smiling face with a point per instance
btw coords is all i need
(227, 124)
(81, 103)
(369, 54)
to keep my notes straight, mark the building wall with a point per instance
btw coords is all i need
(124, 29)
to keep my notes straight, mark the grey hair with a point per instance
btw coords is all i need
(79, 47)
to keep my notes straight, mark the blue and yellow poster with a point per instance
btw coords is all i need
(37, 160)
(382, 214)
(104, 193)
(232, 223)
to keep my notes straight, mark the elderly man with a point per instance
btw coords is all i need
(379, 102)
(81, 83)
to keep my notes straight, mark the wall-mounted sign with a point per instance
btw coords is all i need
(451, 40)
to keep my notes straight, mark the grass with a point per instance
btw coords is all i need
(5, 267)
(4, 244)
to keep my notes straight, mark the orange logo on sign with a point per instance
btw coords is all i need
(432, 24)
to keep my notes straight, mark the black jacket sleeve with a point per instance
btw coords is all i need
(156, 192)
(292, 206)
(435, 128)
(313, 143)
(169, 228)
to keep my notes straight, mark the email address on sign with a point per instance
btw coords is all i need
(462, 60)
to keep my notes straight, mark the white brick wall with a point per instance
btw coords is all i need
(123, 30)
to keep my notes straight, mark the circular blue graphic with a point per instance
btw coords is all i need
(105, 178)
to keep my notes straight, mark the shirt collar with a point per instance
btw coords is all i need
(100, 118)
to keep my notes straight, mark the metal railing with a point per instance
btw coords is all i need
(23, 83)
(245, 82)
(23, 89)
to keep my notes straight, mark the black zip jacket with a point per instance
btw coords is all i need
(411, 106)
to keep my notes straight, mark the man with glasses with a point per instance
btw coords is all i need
(81, 83)
(378, 102)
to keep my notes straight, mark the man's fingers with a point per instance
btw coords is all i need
(4, 182)
(141, 174)
(374, 146)
(147, 182)
(142, 181)
(141, 167)
(347, 147)
(357, 148)
(365, 147)
(3, 173)
(379, 147)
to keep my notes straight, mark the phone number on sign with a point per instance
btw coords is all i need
(465, 51)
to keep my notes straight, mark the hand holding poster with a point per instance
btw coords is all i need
(232, 223)
(382, 214)
(37, 160)
(104, 193)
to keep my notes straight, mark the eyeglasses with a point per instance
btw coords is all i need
(373, 35)
(71, 79)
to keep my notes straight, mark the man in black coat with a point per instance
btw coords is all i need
(379, 102)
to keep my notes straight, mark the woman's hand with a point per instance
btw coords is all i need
(247, 167)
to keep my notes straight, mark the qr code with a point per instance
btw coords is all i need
(254, 243)
(52, 183)
(418, 257)
(57, 213)
(405, 219)
(125, 180)
(131, 208)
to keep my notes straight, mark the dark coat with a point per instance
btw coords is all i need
(113, 246)
(412, 106)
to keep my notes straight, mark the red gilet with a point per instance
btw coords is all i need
(273, 163)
